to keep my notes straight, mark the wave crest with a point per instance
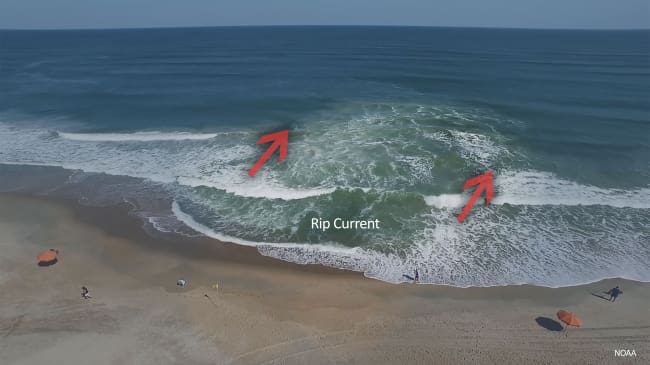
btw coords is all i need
(543, 188)
(136, 136)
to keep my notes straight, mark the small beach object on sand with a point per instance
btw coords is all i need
(569, 318)
(85, 293)
(181, 282)
(47, 258)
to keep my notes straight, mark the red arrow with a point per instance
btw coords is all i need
(279, 139)
(484, 182)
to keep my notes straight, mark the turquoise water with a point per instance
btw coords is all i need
(385, 123)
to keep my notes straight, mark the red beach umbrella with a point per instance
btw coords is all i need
(569, 318)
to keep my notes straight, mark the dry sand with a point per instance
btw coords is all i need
(267, 311)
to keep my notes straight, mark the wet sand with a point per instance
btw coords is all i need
(266, 311)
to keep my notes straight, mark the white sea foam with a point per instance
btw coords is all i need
(543, 188)
(260, 188)
(477, 147)
(471, 146)
(136, 136)
(446, 200)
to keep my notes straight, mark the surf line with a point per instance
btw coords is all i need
(338, 223)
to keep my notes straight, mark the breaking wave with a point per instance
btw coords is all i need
(137, 136)
(542, 188)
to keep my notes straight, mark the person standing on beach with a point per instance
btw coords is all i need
(614, 293)
(417, 276)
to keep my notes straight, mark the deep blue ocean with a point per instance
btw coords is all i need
(385, 123)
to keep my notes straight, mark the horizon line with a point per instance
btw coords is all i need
(317, 25)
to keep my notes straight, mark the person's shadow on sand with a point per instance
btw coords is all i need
(549, 324)
(600, 296)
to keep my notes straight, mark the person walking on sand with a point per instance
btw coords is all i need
(417, 276)
(614, 293)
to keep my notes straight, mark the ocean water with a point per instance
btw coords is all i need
(385, 123)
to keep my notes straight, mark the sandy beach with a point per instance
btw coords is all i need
(266, 311)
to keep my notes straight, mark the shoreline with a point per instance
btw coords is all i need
(266, 310)
(144, 233)
(246, 249)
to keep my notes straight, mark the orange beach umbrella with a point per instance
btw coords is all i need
(569, 318)
(47, 256)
